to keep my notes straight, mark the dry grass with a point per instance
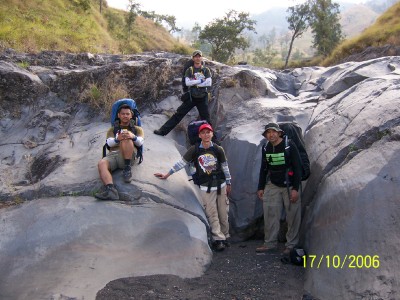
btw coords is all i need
(102, 96)
(37, 25)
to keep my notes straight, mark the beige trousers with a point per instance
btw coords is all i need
(217, 209)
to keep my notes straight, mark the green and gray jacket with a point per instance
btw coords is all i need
(277, 163)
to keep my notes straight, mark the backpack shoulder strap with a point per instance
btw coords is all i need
(218, 151)
(287, 145)
(116, 126)
(132, 126)
(196, 153)
(264, 149)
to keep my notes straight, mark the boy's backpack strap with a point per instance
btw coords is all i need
(196, 153)
(218, 150)
(218, 175)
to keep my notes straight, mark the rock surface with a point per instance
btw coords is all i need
(51, 142)
(73, 246)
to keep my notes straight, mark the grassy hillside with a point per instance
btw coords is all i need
(356, 18)
(78, 26)
(386, 30)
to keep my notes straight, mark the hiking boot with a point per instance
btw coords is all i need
(264, 248)
(108, 193)
(219, 246)
(127, 174)
(159, 132)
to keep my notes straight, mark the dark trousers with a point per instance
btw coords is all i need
(201, 105)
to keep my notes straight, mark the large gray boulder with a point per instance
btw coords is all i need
(354, 144)
(349, 114)
(60, 243)
(74, 246)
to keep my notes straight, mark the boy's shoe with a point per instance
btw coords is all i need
(219, 246)
(159, 132)
(127, 174)
(108, 193)
(226, 243)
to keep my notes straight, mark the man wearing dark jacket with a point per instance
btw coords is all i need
(198, 80)
(283, 169)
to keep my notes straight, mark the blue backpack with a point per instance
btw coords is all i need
(132, 105)
(115, 122)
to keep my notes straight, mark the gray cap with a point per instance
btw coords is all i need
(197, 52)
(273, 126)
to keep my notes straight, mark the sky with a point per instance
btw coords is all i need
(204, 11)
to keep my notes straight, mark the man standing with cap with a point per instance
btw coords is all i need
(198, 79)
(214, 181)
(283, 168)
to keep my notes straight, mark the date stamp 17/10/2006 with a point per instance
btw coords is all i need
(340, 262)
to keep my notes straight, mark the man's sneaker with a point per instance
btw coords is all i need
(287, 250)
(159, 132)
(108, 193)
(127, 174)
(264, 248)
(219, 245)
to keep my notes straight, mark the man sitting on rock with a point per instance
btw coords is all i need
(122, 142)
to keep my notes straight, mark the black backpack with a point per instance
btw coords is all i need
(295, 257)
(293, 132)
(193, 131)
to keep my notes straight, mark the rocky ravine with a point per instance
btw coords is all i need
(51, 142)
